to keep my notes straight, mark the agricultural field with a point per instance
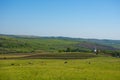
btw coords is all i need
(97, 68)
(10, 44)
(57, 58)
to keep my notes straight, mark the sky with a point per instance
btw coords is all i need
(69, 18)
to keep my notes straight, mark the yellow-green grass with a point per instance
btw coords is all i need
(15, 55)
(100, 68)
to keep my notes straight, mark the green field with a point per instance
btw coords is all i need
(16, 44)
(99, 68)
(56, 58)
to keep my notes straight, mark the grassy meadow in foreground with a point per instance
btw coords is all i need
(100, 68)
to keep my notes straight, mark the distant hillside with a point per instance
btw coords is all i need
(18, 44)
(113, 43)
(36, 44)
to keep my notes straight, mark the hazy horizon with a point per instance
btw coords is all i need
(97, 19)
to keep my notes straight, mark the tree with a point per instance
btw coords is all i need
(68, 50)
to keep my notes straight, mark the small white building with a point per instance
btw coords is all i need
(95, 50)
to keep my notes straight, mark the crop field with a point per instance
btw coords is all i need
(98, 68)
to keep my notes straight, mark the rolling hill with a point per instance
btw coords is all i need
(36, 44)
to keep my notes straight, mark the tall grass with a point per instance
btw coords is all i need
(100, 68)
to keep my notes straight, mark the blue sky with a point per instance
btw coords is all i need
(70, 18)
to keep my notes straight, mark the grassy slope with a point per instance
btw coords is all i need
(100, 68)
(10, 44)
(19, 45)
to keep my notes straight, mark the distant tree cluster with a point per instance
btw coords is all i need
(74, 50)
(114, 53)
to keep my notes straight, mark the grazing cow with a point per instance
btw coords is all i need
(65, 62)
(89, 62)
(12, 64)
(29, 62)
